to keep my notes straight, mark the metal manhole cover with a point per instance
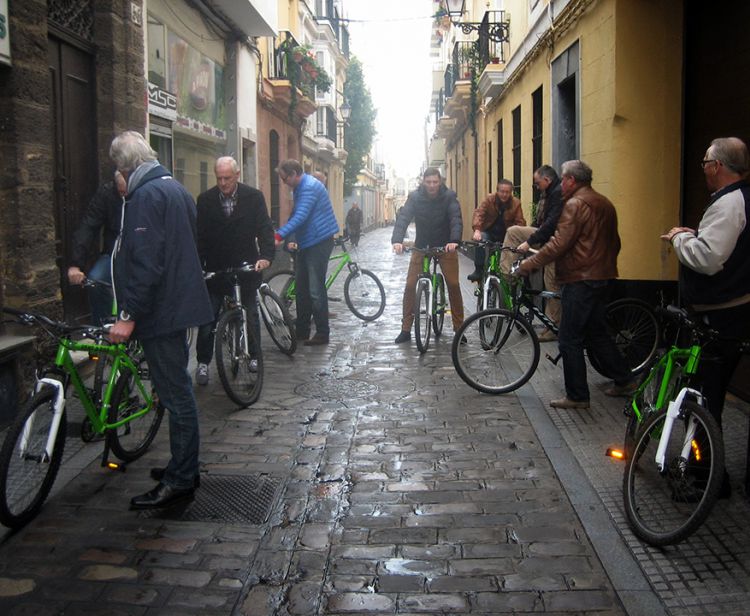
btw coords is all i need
(331, 388)
(244, 499)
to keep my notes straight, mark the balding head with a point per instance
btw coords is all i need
(726, 161)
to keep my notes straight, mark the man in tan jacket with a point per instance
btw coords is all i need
(585, 247)
(495, 214)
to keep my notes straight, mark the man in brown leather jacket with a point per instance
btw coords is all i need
(491, 219)
(585, 246)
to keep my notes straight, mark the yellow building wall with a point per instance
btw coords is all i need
(629, 90)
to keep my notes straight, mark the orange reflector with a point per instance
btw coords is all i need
(93, 357)
(696, 450)
(615, 453)
(114, 466)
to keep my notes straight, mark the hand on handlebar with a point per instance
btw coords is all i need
(477, 237)
(398, 248)
(451, 247)
(75, 275)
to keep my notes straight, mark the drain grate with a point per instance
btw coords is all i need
(243, 499)
(331, 388)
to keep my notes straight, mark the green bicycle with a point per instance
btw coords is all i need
(128, 414)
(364, 294)
(674, 449)
(430, 306)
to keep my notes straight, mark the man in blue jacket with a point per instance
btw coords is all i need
(160, 293)
(313, 224)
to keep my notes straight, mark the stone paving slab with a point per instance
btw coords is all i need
(410, 494)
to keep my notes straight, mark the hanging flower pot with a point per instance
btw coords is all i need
(297, 56)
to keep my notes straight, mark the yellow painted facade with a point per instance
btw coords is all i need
(629, 100)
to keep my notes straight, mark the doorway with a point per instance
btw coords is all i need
(71, 71)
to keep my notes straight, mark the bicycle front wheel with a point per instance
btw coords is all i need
(500, 352)
(664, 506)
(422, 317)
(240, 371)
(278, 321)
(26, 471)
(131, 440)
(438, 306)
(364, 294)
(633, 325)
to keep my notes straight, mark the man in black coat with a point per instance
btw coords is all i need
(233, 228)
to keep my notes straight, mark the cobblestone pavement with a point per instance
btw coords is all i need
(367, 480)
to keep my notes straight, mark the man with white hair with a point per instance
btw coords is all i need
(715, 259)
(160, 293)
(233, 228)
(585, 248)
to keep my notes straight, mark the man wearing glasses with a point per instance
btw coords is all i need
(715, 277)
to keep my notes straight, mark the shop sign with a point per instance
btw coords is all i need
(198, 84)
(4, 33)
(161, 103)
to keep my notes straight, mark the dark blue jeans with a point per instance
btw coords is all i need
(584, 325)
(167, 358)
(310, 284)
(204, 341)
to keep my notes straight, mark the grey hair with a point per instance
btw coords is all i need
(731, 152)
(222, 160)
(129, 150)
(578, 170)
(545, 171)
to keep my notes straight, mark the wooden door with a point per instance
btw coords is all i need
(75, 164)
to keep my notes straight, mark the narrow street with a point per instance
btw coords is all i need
(370, 480)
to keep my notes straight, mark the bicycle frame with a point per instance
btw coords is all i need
(343, 258)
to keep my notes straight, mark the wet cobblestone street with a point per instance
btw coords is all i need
(379, 483)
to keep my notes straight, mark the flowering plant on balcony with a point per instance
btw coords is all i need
(304, 71)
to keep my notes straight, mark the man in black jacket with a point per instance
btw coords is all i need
(437, 215)
(102, 216)
(161, 293)
(545, 222)
(233, 223)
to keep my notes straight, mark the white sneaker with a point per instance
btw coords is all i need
(253, 365)
(201, 374)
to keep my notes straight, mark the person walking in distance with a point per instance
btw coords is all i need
(354, 223)
(313, 224)
(437, 215)
(585, 245)
(491, 219)
(233, 228)
(160, 293)
(102, 216)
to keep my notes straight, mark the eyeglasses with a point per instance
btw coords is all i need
(706, 161)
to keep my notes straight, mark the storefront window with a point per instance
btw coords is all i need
(194, 162)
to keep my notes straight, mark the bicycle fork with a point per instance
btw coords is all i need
(59, 407)
(673, 412)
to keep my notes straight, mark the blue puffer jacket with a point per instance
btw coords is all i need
(313, 219)
(158, 275)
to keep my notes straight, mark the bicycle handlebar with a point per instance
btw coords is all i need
(54, 328)
(245, 268)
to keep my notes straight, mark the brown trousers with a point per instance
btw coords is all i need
(515, 236)
(449, 267)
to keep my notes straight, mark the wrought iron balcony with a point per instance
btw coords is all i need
(278, 68)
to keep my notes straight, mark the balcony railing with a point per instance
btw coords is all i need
(439, 105)
(492, 28)
(463, 52)
(278, 67)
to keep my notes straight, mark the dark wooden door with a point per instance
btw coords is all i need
(75, 164)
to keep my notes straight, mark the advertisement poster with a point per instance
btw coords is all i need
(198, 83)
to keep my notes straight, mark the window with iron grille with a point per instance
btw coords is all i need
(517, 151)
(536, 135)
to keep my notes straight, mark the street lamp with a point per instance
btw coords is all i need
(346, 111)
(498, 32)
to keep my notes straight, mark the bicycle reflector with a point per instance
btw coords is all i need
(617, 454)
(696, 450)
(114, 466)
(93, 356)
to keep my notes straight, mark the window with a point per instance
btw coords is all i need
(517, 151)
(536, 135)
(500, 174)
(564, 100)
(489, 166)
(157, 54)
(273, 143)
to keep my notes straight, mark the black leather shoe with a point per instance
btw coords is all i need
(475, 276)
(402, 337)
(157, 474)
(160, 497)
(316, 340)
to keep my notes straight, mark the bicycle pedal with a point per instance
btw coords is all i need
(334, 299)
